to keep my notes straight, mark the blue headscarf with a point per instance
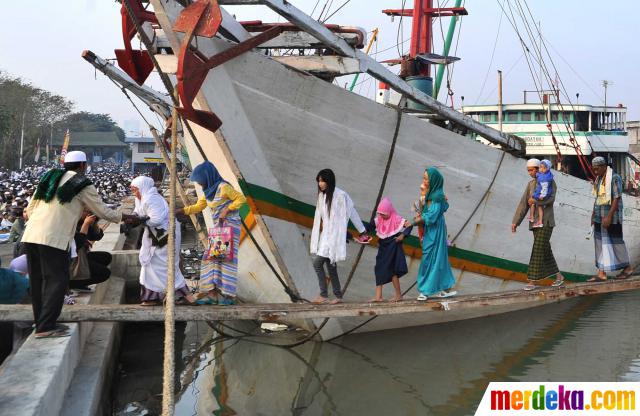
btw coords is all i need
(208, 177)
(436, 186)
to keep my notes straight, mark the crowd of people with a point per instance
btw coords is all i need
(63, 205)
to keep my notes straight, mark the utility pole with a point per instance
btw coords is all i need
(605, 85)
(500, 101)
(24, 112)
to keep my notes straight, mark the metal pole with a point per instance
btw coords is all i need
(180, 190)
(445, 52)
(49, 142)
(22, 137)
(500, 101)
(168, 393)
(373, 38)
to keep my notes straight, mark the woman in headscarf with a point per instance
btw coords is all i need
(391, 263)
(224, 201)
(435, 277)
(154, 252)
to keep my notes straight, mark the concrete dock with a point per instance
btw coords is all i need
(71, 375)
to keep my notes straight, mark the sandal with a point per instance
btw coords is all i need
(445, 294)
(557, 283)
(56, 333)
(422, 297)
(226, 301)
(624, 275)
(150, 303)
(207, 300)
(596, 279)
(336, 301)
(529, 287)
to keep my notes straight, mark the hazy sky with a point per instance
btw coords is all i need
(41, 41)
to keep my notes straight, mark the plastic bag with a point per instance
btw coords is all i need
(220, 244)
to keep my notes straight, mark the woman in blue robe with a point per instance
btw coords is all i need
(434, 275)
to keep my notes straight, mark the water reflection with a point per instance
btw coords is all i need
(441, 369)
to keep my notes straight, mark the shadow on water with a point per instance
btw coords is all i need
(440, 369)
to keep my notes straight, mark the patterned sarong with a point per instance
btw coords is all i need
(611, 252)
(542, 263)
(222, 276)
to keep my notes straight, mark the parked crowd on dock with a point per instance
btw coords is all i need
(63, 205)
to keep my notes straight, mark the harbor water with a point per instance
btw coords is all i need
(440, 369)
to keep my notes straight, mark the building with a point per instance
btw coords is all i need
(633, 128)
(145, 155)
(100, 146)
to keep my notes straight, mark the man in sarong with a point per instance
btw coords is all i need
(542, 264)
(606, 219)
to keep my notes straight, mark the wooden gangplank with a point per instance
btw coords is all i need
(289, 311)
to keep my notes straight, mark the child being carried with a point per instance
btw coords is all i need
(543, 192)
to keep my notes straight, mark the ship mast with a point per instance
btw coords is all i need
(422, 16)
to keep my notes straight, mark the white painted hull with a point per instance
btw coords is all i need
(281, 126)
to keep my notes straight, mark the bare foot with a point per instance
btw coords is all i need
(320, 300)
(396, 299)
(336, 301)
(376, 300)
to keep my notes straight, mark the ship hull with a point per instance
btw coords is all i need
(281, 126)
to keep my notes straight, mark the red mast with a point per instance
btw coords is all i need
(421, 31)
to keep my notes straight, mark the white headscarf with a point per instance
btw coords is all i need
(151, 204)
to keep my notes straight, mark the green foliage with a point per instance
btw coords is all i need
(43, 115)
(85, 121)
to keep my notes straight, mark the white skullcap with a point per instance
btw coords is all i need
(19, 264)
(75, 156)
(533, 163)
(598, 161)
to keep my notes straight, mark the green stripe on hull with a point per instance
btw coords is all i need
(260, 193)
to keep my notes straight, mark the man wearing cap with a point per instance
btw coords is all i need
(52, 216)
(542, 263)
(606, 220)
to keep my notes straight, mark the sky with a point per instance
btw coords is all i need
(589, 41)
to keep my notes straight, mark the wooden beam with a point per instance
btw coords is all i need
(294, 311)
(183, 196)
(334, 66)
(302, 40)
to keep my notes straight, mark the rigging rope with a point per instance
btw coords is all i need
(169, 87)
(361, 249)
(453, 240)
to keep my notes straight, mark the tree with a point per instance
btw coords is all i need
(43, 115)
(85, 121)
(24, 106)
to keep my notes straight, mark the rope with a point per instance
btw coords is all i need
(169, 87)
(168, 385)
(361, 250)
(336, 11)
(486, 192)
(292, 294)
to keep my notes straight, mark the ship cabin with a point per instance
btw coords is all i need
(595, 130)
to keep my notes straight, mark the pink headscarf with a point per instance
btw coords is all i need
(386, 228)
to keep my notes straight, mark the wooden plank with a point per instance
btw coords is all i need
(324, 65)
(290, 311)
(302, 40)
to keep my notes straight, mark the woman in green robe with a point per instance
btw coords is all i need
(434, 276)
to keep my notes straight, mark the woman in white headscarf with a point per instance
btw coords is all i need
(154, 250)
